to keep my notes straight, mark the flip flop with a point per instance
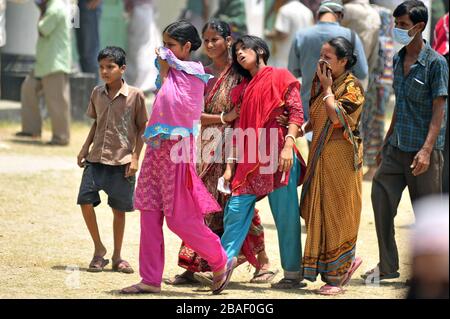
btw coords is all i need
(181, 280)
(122, 266)
(370, 275)
(136, 290)
(97, 264)
(261, 273)
(328, 290)
(355, 265)
(203, 279)
(286, 283)
(231, 264)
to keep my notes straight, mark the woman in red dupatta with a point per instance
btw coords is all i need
(217, 41)
(266, 161)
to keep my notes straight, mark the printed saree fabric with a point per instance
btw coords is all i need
(331, 194)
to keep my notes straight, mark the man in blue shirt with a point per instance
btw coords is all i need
(412, 155)
(305, 50)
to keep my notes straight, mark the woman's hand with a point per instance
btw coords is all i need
(286, 159)
(283, 119)
(324, 75)
(230, 116)
(163, 66)
(228, 174)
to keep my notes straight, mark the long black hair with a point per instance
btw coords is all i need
(183, 31)
(219, 26)
(344, 49)
(258, 45)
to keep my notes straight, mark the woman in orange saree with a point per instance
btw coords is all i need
(331, 194)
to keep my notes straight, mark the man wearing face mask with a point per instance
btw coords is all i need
(412, 154)
(305, 49)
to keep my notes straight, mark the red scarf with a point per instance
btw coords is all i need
(265, 92)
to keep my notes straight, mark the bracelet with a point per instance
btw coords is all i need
(231, 159)
(291, 136)
(221, 118)
(327, 96)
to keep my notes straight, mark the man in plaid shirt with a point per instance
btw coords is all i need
(412, 155)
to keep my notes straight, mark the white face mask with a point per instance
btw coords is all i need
(401, 36)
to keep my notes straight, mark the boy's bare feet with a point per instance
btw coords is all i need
(140, 288)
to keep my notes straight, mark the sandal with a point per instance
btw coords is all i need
(136, 290)
(186, 278)
(286, 283)
(257, 276)
(371, 275)
(355, 265)
(225, 276)
(97, 264)
(206, 279)
(328, 290)
(122, 266)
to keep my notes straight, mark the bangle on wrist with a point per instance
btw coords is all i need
(222, 119)
(291, 136)
(327, 96)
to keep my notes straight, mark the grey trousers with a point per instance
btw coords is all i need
(389, 182)
(56, 91)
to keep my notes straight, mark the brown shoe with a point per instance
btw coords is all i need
(56, 143)
(26, 134)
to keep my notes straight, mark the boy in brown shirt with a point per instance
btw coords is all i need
(112, 161)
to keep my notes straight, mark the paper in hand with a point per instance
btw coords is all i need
(223, 187)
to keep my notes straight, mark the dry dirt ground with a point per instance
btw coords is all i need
(45, 246)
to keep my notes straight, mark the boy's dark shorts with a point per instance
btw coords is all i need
(110, 179)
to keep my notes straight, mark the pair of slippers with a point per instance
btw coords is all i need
(330, 290)
(98, 264)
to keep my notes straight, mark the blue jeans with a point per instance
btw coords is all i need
(284, 204)
(88, 37)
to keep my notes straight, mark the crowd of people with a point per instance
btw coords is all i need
(326, 76)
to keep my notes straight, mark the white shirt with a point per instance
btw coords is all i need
(291, 17)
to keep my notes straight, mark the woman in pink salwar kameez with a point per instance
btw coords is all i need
(168, 186)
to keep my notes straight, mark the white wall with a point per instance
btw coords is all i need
(168, 11)
(21, 32)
